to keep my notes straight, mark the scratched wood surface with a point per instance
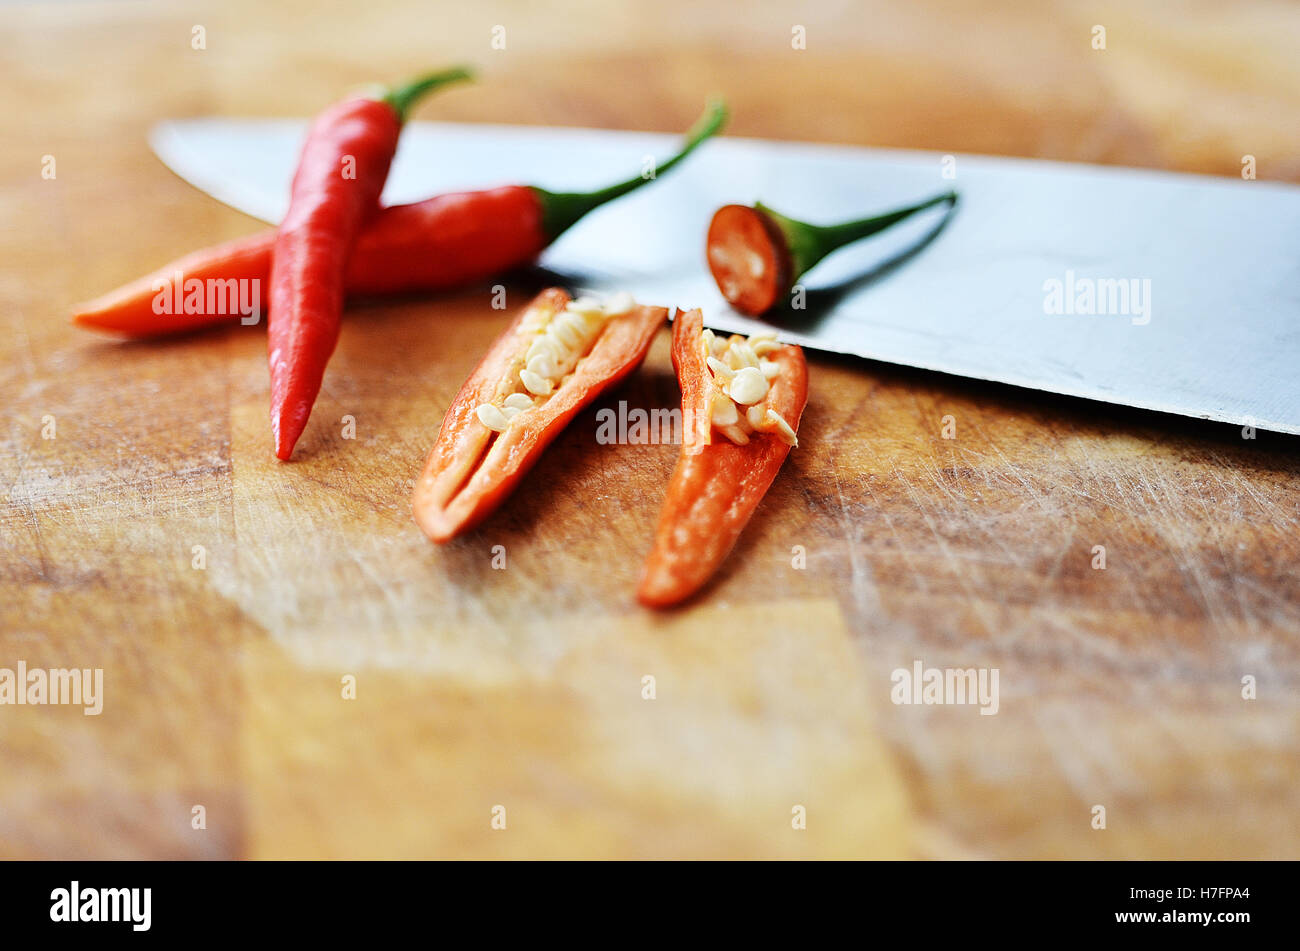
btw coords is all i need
(522, 687)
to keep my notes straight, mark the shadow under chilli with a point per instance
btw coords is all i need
(820, 301)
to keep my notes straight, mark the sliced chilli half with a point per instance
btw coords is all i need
(755, 390)
(554, 359)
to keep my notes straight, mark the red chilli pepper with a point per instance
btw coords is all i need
(554, 359)
(741, 405)
(757, 255)
(441, 243)
(336, 188)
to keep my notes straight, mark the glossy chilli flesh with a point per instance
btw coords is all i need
(553, 360)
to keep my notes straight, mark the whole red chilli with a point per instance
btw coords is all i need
(336, 189)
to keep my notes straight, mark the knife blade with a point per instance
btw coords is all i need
(1169, 292)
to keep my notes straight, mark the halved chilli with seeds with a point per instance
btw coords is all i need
(556, 357)
(742, 399)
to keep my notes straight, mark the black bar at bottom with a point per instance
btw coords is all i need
(1223, 901)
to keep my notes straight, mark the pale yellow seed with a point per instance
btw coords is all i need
(582, 324)
(544, 365)
(756, 416)
(735, 434)
(535, 384)
(748, 386)
(771, 369)
(783, 429)
(564, 331)
(723, 411)
(745, 354)
(543, 344)
(720, 369)
(510, 412)
(491, 417)
(587, 321)
(534, 320)
(518, 401)
(706, 343)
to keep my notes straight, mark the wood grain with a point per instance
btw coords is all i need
(522, 687)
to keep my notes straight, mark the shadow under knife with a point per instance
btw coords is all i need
(818, 302)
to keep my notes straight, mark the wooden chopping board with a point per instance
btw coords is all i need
(524, 687)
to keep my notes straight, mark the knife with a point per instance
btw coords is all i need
(1169, 292)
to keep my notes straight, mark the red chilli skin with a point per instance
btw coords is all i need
(471, 470)
(716, 485)
(448, 241)
(335, 190)
(441, 243)
(129, 311)
(437, 244)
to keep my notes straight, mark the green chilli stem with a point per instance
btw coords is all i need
(809, 243)
(561, 210)
(403, 98)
